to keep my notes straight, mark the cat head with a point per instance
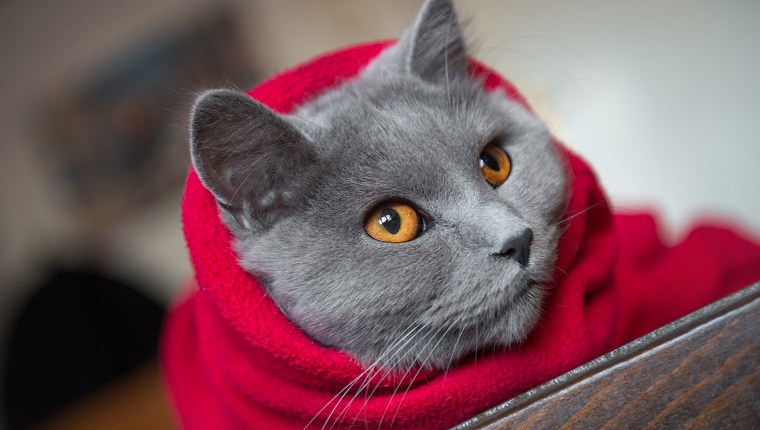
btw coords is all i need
(407, 217)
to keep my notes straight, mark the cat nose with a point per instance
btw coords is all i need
(518, 247)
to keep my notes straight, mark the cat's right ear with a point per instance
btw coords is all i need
(257, 164)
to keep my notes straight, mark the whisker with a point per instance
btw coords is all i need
(350, 384)
(580, 213)
(503, 49)
(560, 305)
(451, 357)
(477, 340)
(561, 270)
(446, 64)
(398, 408)
(368, 378)
(403, 377)
(368, 381)
(551, 39)
(347, 389)
(307, 121)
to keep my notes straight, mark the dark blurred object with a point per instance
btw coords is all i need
(79, 332)
(120, 139)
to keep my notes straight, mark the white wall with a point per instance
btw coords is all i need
(661, 96)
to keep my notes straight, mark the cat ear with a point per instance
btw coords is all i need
(434, 46)
(255, 163)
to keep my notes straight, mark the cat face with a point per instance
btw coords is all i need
(406, 217)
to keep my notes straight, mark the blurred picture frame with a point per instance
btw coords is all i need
(120, 140)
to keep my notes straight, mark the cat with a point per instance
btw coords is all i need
(407, 217)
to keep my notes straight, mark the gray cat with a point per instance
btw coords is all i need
(407, 217)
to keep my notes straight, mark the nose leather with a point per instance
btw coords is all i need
(518, 247)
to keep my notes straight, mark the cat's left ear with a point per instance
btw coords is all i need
(257, 164)
(434, 47)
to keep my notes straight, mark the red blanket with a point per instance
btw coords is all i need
(232, 359)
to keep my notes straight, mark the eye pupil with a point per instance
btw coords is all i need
(489, 161)
(390, 219)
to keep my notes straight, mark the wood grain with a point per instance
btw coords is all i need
(700, 372)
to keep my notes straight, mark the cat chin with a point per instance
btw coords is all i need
(513, 322)
(437, 346)
(515, 325)
(441, 347)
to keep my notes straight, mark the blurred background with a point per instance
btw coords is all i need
(660, 96)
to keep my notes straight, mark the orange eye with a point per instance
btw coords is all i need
(494, 165)
(394, 222)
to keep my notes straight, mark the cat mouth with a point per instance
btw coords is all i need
(524, 295)
(517, 317)
(524, 291)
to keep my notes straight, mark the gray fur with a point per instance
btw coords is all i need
(295, 191)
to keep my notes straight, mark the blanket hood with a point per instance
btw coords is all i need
(233, 360)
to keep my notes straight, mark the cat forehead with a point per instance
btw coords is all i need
(408, 141)
(401, 118)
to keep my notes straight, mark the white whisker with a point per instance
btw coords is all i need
(398, 408)
(351, 384)
(451, 357)
(580, 213)
(403, 377)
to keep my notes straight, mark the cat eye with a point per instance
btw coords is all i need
(494, 165)
(394, 222)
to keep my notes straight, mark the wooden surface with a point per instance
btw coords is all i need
(136, 401)
(700, 372)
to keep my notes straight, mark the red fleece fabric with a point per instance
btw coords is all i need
(233, 360)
